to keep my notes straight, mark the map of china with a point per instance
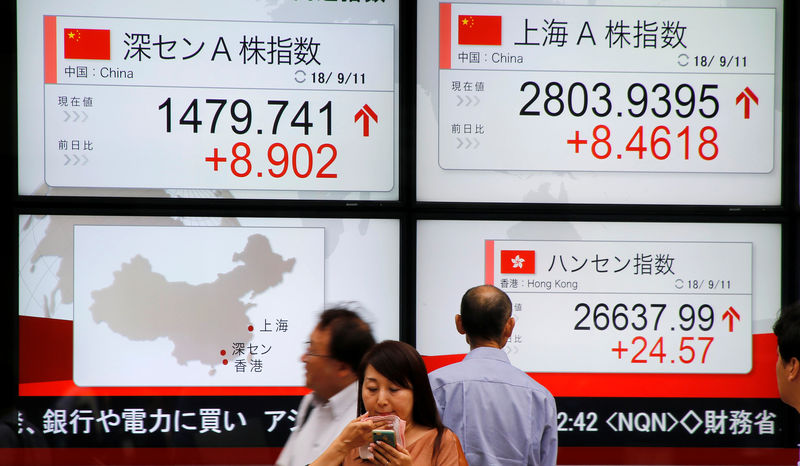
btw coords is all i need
(143, 305)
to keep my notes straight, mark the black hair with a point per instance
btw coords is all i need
(787, 329)
(402, 365)
(351, 337)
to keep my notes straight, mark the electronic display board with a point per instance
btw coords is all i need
(611, 102)
(655, 337)
(173, 332)
(243, 99)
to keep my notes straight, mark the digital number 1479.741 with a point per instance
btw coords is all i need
(242, 115)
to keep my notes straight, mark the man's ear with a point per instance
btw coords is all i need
(509, 328)
(793, 371)
(343, 369)
(460, 325)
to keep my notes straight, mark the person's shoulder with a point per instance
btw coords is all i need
(431, 433)
(452, 449)
(450, 436)
(466, 366)
(509, 374)
(480, 365)
(449, 440)
(524, 379)
(446, 371)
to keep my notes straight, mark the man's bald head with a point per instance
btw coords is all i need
(485, 310)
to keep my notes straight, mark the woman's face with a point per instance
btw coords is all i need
(383, 398)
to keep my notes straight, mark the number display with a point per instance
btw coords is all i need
(608, 122)
(241, 114)
(641, 317)
(660, 100)
(582, 422)
(302, 159)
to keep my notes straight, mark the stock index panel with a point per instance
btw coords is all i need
(613, 102)
(201, 99)
(655, 338)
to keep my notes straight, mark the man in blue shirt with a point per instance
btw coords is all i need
(501, 415)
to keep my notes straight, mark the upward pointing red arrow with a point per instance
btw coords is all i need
(746, 95)
(366, 113)
(730, 314)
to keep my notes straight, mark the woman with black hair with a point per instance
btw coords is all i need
(393, 381)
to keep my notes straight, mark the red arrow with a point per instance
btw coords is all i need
(730, 314)
(365, 113)
(746, 95)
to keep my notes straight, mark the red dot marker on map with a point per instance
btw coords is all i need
(250, 328)
(225, 362)
(222, 353)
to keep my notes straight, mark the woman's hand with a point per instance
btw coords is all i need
(385, 454)
(356, 433)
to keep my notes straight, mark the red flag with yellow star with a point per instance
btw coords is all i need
(87, 44)
(480, 30)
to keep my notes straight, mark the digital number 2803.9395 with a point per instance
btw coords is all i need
(661, 100)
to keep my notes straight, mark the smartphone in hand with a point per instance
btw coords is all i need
(385, 436)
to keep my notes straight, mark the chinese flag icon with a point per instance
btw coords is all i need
(479, 30)
(517, 261)
(87, 44)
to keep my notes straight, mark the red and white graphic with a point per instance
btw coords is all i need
(480, 30)
(517, 261)
(87, 44)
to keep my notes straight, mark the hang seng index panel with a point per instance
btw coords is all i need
(204, 99)
(613, 102)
